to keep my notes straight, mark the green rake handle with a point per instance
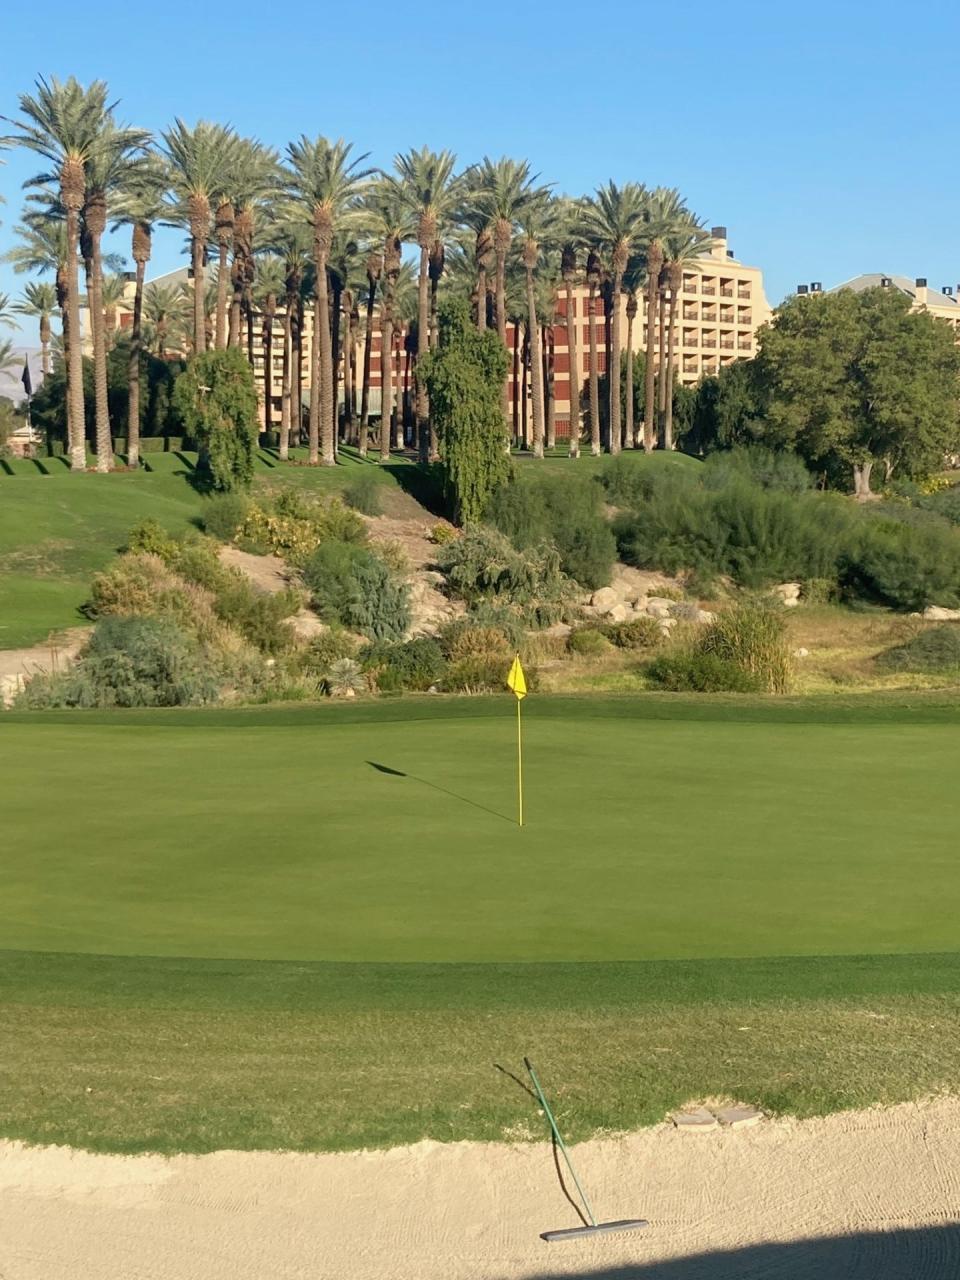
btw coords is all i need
(556, 1133)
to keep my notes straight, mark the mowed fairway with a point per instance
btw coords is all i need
(282, 835)
(231, 929)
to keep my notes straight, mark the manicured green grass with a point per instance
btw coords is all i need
(229, 929)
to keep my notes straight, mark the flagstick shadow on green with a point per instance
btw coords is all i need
(425, 782)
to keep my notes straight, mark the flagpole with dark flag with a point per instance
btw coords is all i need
(25, 377)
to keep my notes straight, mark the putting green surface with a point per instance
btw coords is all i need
(329, 834)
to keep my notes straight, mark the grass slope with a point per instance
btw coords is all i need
(362, 947)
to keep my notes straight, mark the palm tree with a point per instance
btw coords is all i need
(9, 358)
(664, 210)
(198, 160)
(327, 184)
(374, 271)
(687, 243)
(271, 281)
(140, 206)
(633, 281)
(613, 220)
(343, 273)
(594, 273)
(291, 241)
(107, 168)
(387, 218)
(426, 185)
(251, 178)
(537, 221)
(40, 301)
(570, 274)
(64, 123)
(163, 316)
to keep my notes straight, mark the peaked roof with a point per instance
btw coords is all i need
(873, 280)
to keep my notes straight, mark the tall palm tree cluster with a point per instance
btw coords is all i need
(317, 232)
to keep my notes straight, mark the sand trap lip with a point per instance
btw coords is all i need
(856, 1184)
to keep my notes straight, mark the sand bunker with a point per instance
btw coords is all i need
(853, 1188)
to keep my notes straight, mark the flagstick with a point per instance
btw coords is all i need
(519, 765)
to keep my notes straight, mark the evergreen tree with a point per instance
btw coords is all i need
(217, 399)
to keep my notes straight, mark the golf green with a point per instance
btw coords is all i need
(388, 833)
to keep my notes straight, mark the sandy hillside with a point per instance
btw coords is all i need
(855, 1191)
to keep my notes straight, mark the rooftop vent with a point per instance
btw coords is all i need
(802, 288)
(816, 286)
(947, 290)
(729, 253)
(885, 282)
(719, 233)
(921, 282)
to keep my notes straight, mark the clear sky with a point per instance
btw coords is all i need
(823, 135)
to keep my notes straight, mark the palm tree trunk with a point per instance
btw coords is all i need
(671, 362)
(573, 360)
(516, 385)
(327, 389)
(661, 366)
(613, 365)
(424, 442)
(482, 299)
(296, 384)
(337, 351)
(386, 381)
(267, 370)
(654, 263)
(102, 410)
(313, 438)
(286, 393)
(536, 366)
(133, 370)
(223, 272)
(594, 381)
(348, 373)
(548, 381)
(236, 300)
(367, 353)
(629, 439)
(199, 314)
(501, 309)
(403, 407)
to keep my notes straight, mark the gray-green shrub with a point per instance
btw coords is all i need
(350, 585)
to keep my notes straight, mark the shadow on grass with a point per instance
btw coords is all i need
(425, 782)
(903, 1254)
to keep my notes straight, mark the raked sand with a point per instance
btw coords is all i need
(852, 1189)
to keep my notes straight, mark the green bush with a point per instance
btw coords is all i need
(150, 537)
(224, 514)
(565, 510)
(352, 586)
(694, 672)
(758, 465)
(483, 565)
(259, 616)
(587, 642)
(638, 633)
(364, 492)
(904, 566)
(752, 635)
(934, 650)
(216, 398)
(481, 674)
(415, 665)
(945, 503)
(323, 650)
(131, 662)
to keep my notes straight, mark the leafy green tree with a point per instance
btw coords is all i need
(724, 411)
(464, 380)
(217, 400)
(856, 379)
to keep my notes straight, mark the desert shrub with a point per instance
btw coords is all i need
(588, 642)
(442, 533)
(481, 674)
(628, 485)
(224, 515)
(686, 671)
(351, 586)
(324, 649)
(292, 525)
(364, 493)
(391, 552)
(935, 649)
(819, 590)
(345, 679)
(766, 468)
(752, 635)
(945, 503)
(902, 565)
(150, 537)
(259, 616)
(468, 639)
(415, 665)
(132, 662)
(638, 633)
(565, 510)
(483, 565)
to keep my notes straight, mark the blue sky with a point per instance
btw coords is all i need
(823, 136)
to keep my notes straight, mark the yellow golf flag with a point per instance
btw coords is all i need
(516, 681)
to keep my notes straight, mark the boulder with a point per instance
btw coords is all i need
(605, 599)
(660, 608)
(620, 613)
(788, 593)
(801, 653)
(939, 613)
(705, 617)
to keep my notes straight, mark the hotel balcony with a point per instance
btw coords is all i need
(726, 316)
(745, 317)
(708, 342)
(690, 284)
(743, 291)
(708, 289)
(726, 291)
